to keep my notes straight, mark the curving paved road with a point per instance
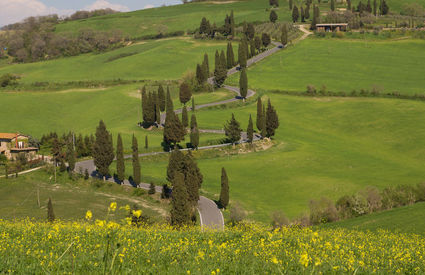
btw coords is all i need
(211, 217)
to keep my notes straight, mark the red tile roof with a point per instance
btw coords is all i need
(7, 136)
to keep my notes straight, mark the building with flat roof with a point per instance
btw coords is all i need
(330, 27)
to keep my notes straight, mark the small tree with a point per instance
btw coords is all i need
(50, 212)
(272, 120)
(206, 66)
(194, 132)
(259, 121)
(250, 130)
(284, 36)
(185, 93)
(151, 189)
(243, 84)
(295, 14)
(242, 56)
(273, 16)
(224, 193)
(266, 40)
(86, 174)
(185, 118)
(136, 162)
(120, 160)
(103, 150)
(233, 130)
(180, 208)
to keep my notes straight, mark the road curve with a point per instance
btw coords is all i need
(211, 216)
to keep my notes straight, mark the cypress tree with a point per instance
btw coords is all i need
(199, 74)
(180, 208)
(144, 104)
(246, 48)
(217, 65)
(273, 16)
(194, 132)
(252, 47)
(173, 129)
(230, 56)
(185, 93)
(50, 212)
(223, 64)
(375, 7)
(193, 104)
(157, 111)
(169, 103)
(349, 5)
(295, 14)
(70, 156)
(175, 164)
(332, 5)
(369, 7)
(259, 122)
(302, 14)
(120, 160)
(307, 11)
(146, 142)
(185, 118)
(263, 123)
(161, 97)
(136, 162)
(103, 150)
(80, 146)
(233, 130)
(220, 72)
(206, 66)
(290, 4)
(192, 178)
(250, 31)
(242, 56)
(284, 36)
(243, 84)
(224, 193)
(250, 130)
(272, 120)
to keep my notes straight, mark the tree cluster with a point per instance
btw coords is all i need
(203, 71)
(35, 39)
(153, 103)
(186, 179)
(174, 131)
(267, 119)
(220, 70)
(211, 30)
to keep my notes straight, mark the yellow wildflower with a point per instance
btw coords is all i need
(113, 206)
(89, 215)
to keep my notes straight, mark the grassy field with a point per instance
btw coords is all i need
(324, 147)
(178, 18)
(80, 111)
(343, 65)
(71, 199)
(408, 219)
(88, 247)
(166, 59)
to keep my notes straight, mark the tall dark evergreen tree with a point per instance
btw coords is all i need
(375, 7)
(259, 122)
(295, 14)
(273, 16)
(252, 47)
(200, 74)
(157, 110)
(263, 131)
(194, 132)
(136, 161)
(185, 118)
(272, 120)
(206, 66)
(224, 192)
(175, 164)
(233, 130)
(290, 5)
(192, 178)
(180, 208)
(369, 7)
(250, 31)
(174, 131)
(185, 93)
(250, 130)
(70, 156)
(120, 160)
(144, 104)
(302, 14)
(332, 5)
(230, 56)
(242, 56)
(50, 212)
(243, 84)
(223, 63)
(284, 36)
(103, 150)
(161, 97)
(265, 38)
(349, 5)
(193, 104)
(307, 11)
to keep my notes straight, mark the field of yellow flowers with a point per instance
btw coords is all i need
(28, 247)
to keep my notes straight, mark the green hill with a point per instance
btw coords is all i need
(408, 219)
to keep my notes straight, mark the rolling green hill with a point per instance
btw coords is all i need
(343, 65)
(408, 219)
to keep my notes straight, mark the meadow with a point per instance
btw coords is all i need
(166, 59)
(408, 219)
(80, 111)
(177, 18)
(343, 65)
(108, 247)
(71, 199)
(325, 147)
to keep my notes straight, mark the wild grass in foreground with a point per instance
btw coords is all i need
(107, 247)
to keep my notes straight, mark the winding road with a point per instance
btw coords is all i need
(211, 216)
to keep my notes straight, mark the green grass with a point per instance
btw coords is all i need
(343, 65)
(80, 111)
(408, 219)
(324, 147)
(177, 18)
(71, 199)
(166, 59)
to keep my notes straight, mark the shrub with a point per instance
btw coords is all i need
(279, 219)
(373, 197)
(138, 192)
(8, 80)
(420, 192)
(323, 211)
(237, 214)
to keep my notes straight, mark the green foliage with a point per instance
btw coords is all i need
(250, 130)
(8, 80)
(295, 14)
(185, 93)
(243, 84)
(180, 208)
(224, 192)
(185, 118)
(272, 120)
(120, 159)
(194, 132)
(230, 56)
(70, 156)
(50, 212)
(136, 161)
(161, 98)
(273, 16)
(103, 150)
(233, 130)
(242, 55)
(151, 189)
(259, 114)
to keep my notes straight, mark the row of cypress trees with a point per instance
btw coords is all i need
(153, 103)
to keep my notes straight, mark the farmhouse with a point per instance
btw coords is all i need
(329, 27)
(11, 145)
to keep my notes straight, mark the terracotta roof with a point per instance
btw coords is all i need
(24, 149)
(7, 136)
